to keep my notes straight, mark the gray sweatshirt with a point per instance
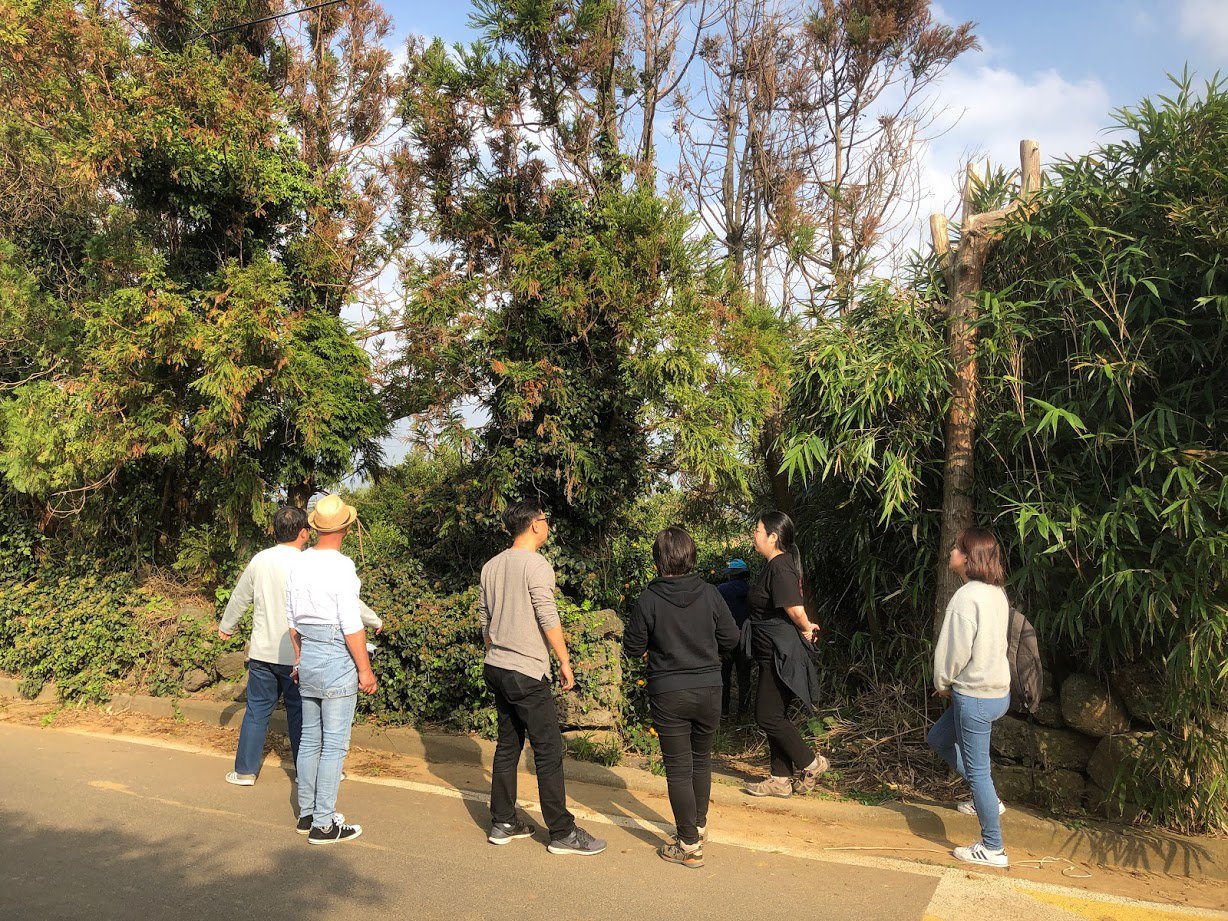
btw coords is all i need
(263, 588)
(970, 656)
(516, 608)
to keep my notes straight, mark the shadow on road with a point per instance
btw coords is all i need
(460, 762)
(110, 873)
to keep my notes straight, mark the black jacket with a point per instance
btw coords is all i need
(685, 626)
(793, 658)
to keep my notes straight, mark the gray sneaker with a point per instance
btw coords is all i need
(773, 786)
(804, 781)
(578, 842)
(506, 832)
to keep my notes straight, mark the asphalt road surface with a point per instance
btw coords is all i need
(99, 828)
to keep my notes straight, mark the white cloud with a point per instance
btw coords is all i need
(1206, 22)
(992, 109)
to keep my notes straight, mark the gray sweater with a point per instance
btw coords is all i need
(970, 655)
(516, 608)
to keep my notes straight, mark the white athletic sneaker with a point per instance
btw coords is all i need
(969, 808)
(978, 853)
(241, 780)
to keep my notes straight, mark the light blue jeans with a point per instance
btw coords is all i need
(961, 738)
(328, 686)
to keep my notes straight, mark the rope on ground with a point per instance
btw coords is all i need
(1070, 871)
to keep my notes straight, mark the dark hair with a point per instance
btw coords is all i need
(674, 552)
(518, 516)
(984, 555)
(288, 521)
(780, 524)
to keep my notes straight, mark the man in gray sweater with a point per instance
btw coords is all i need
(270, 666)
(520, 627)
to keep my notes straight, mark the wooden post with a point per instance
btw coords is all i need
(966, 268)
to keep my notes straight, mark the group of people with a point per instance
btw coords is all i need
(309, 648)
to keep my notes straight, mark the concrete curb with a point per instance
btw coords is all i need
(1150, 850)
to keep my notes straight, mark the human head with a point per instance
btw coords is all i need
(737, 569)
(332, 518)
(977, 556)
(527, 523)
(290, 525)
(774, 534)
(673, 552)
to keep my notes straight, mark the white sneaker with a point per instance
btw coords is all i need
(969, 808)
(241, 780)
(979, 854)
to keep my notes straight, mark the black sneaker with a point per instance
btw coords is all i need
(504, 832)
(334, 834)
(304, 822)
(578, 842)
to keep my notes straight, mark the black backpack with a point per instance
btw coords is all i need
(1027, 672)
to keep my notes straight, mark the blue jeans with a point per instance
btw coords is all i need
(328, 684)
(266, 682)
(961, 738)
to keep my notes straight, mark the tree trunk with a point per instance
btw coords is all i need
(965, 269)
(960, 431)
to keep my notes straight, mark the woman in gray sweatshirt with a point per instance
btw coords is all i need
(971, 669)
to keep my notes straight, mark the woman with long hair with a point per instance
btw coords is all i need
(781, 640)
(972, 671)
(684, 626)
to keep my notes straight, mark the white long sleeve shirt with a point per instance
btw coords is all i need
(262, 587)
(970, 655)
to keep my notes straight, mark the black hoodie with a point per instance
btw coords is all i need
(685, 626)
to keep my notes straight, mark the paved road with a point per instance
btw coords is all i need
(99, 828)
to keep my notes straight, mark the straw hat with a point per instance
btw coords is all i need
(332, 514)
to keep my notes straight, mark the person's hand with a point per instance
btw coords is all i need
(945, 693)
(811, 632)
(223, 634)
(379, 629)
(294, 674)
(366, 681)
(567, 679)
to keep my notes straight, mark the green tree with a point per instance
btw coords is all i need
(173, 370)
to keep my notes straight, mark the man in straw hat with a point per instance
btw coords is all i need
(324, 616)
(271, 656)
(520, 625)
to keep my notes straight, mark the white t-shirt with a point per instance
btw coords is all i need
(322, 590)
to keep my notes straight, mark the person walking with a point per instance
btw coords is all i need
(734, 589)
(971, 669)
(323, 614)
(781, 642)
(520, 627)
(684, 625)
(271, 657)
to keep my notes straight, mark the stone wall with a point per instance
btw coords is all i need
(593, 710)
(1067, 755)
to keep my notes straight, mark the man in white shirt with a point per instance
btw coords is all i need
(324, 616)
(271, 656)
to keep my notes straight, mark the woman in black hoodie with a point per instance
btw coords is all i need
(684, 626)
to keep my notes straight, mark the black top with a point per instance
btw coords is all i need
(685, 626)
(777, 587)
(734, 592)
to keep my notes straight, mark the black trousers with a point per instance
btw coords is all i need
(788, 750)
(526, 707)
(686, 722)
(735, 660)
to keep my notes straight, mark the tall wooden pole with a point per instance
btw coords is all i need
(966, 267)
